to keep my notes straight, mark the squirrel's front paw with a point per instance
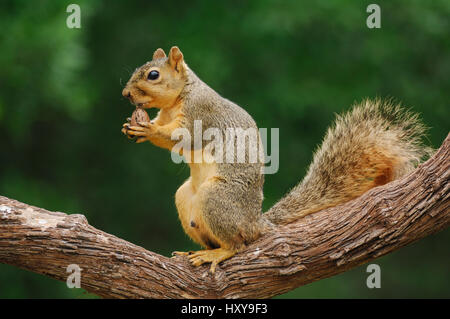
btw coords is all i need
(142, 132)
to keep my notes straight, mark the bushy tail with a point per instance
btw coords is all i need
(374, 143)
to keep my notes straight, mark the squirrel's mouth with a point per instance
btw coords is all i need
(144, 105)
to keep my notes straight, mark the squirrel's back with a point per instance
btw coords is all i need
(215, 111)
(374, 143)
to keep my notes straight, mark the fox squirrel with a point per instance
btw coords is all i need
(220, 204)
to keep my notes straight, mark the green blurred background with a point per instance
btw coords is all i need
(291, 64)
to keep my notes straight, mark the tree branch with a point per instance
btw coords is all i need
(317, 246)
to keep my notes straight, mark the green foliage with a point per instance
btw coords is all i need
(291, 64)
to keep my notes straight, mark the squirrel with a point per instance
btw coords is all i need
(220, 204)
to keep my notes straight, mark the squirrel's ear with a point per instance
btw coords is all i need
(176, 59)
(159, 54)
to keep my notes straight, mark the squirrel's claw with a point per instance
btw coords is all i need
(136, 128)
(137, 133)
(182, 253)
(146, 124)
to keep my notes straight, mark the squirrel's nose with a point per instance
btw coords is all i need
(126, 93)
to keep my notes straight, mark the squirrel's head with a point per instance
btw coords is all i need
(158, 83)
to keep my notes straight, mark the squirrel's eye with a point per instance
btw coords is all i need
(153, 75)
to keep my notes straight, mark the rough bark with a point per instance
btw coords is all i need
(318, 246)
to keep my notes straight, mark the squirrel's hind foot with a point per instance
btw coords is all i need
(213, 256)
